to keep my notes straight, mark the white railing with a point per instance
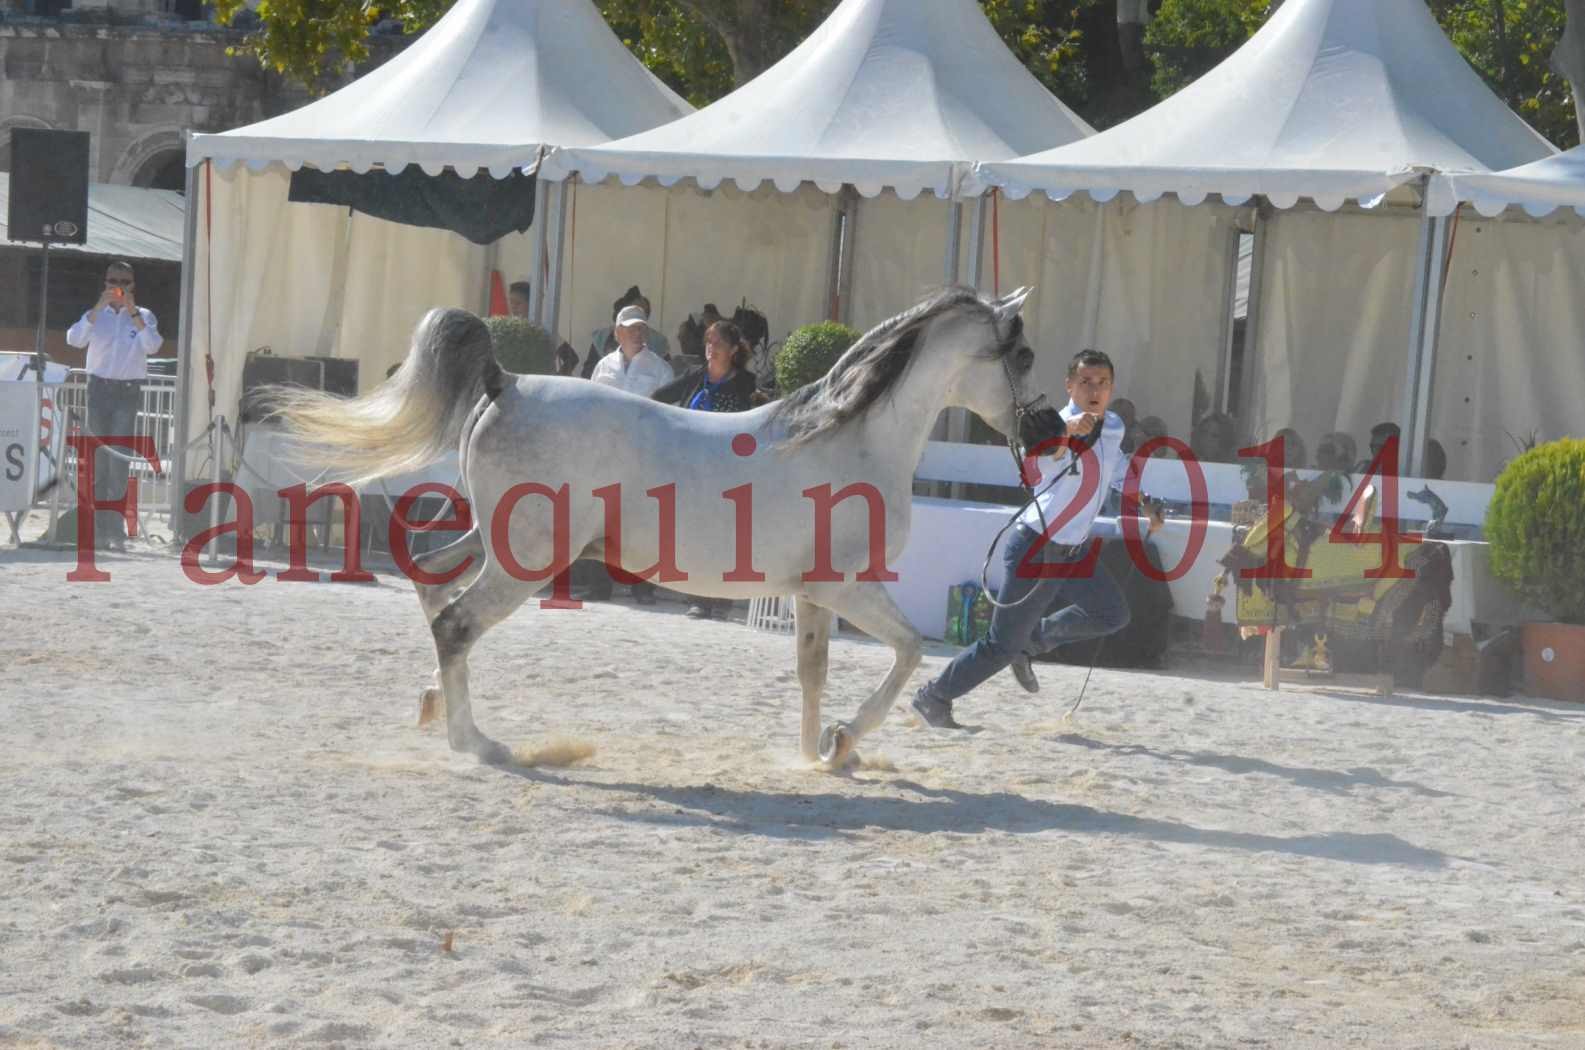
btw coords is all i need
(155, 420)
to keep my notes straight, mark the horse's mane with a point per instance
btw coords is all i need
(871, 367)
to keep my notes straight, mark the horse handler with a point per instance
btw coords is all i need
(1037, 568)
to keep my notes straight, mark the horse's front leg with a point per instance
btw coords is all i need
(813, 626)
(868, 607)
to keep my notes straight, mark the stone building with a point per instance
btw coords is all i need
(134, 74)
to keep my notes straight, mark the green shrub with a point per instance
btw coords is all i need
(1536, 528)
(522, 346)
(809, 353)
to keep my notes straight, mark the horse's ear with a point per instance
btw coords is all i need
(1009, 306)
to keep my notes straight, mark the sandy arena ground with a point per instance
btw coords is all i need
(220, 828)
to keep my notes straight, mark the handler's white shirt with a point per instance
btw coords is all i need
(116, 349)
(1110, 460)
(643, 375)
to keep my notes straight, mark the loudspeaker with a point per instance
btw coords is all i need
(49, 186)
(264, 370)
(341, 375)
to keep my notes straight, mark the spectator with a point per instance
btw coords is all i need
(1336, 451)
(519, 296)
(1293, 450)
(566, 360)
(1150, 428)
(119, 336)
(633, 367)
(1435, 466)
(1124, 409)
(1214, 438)
(724, 384)
(603, 340)
(1380, 434)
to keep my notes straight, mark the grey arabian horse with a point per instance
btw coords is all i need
(809, 496)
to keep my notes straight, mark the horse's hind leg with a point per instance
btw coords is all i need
(868, 607)
(434, 597)
(489, 599)
(814, 651)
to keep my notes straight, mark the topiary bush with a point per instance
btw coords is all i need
(809, 353)
(522, 346)
(1536, 528)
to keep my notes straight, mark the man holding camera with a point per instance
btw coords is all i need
(119, 336)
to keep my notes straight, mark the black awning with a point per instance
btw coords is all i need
(482, 208)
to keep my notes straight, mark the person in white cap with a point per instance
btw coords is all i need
(633, 366)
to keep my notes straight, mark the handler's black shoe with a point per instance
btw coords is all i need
(937, 714)
(1024, 671)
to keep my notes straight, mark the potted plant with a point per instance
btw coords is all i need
(522, 346)
(1536, 531)
(809, 353)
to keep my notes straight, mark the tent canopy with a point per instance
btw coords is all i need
(1331, 99)
(900, 94)
(491, 85)
(1540, 187)
(127, 222)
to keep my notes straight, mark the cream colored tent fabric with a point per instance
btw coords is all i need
(1511, 358)
(1113, 277)
(685, 247)
(1334, 324)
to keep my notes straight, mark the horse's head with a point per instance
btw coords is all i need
(996, 380)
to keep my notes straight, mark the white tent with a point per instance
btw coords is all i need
(493, 86)
(1332, 100)
(884, 94)
(1540, 187)
(890, 97)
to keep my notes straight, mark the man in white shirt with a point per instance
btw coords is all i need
(119, 336)
(1036, 570)
(633, 367)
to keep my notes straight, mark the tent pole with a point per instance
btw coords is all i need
(977, 242)
(536, 297)
(184, 354)
(1244, 397)
(1224, 357)
(954, 243)
(850, 225)
(1425, 322)
(553, 292)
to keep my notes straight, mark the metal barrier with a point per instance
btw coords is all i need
(156, 420)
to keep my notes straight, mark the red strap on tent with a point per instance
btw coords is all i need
(498, 305)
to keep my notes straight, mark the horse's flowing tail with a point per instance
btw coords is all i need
(413, 418)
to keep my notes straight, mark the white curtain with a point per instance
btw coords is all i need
(1333, 331)
(1511, 358)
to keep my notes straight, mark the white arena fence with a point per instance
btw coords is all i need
(156, 419)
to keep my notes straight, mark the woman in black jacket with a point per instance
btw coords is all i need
(722, 385)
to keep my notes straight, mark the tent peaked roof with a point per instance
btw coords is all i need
(1331, 99)
(487, 86)
(1540, 187)
(883, 93)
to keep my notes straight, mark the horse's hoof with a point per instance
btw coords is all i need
(836, 745)
(431, 705)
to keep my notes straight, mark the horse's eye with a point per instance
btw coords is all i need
(1025, 359)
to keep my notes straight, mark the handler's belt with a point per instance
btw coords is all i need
(1057, 551)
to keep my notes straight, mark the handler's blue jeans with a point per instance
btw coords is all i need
(1095, 607)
